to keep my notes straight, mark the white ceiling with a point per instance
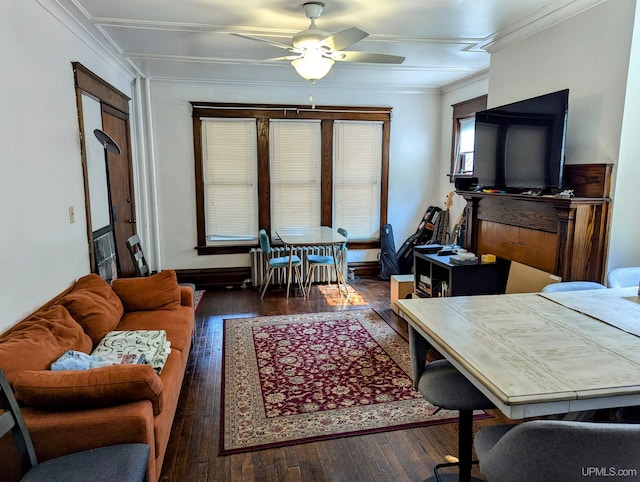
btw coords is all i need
(442, 40)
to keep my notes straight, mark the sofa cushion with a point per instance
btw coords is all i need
(38, 341)
(94, 305)
(157, 292)
(90, 388)
(178, 325)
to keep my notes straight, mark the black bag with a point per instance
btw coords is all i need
(388, 261)
(425, 234)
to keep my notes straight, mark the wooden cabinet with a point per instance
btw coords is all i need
(563, 236)
(436, 276)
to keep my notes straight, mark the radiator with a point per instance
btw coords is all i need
(259, 264)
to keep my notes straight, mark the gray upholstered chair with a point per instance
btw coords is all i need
(624, 277)
(123, 462)
(558, 450)
(628, 415)
(442, 385)
(572, 286)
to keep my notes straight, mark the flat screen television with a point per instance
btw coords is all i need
(520, 146)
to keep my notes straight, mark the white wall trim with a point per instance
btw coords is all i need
(551, 15)
(319, 86)
(71, 22)
(152, 200)
(458, 84)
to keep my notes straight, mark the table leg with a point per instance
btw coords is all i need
(340, 281)
(290, 269)
(465, 454)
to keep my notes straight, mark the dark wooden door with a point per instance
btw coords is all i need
(120, 183)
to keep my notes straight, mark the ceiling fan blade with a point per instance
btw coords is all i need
(286, 57)
(267, 41)
(367, 57)
(345, 38)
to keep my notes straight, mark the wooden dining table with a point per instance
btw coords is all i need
(312, 236)
(539, 354)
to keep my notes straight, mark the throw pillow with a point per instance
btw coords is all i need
(94, 305)
(157, 292)
(33, 344)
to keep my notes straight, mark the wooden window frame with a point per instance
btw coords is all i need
(462, 110)
(265, 112)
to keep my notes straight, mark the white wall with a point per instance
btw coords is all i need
(413, 172)
(589, 55)
(41, 252)
(625, 229)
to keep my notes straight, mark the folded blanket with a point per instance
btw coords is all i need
(153, 344)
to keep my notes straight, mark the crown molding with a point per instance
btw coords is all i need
(546, 17)
(469, 80)
(68, 15)
(387, 89)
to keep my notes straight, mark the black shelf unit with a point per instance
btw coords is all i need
(436, 276)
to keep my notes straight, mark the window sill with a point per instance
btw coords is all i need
(211, 250)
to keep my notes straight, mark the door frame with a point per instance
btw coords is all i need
(113, 102)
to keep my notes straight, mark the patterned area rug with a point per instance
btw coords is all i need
(197, 297)
(299, 378)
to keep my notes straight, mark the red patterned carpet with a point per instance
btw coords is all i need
(297, 378)
(197, 298)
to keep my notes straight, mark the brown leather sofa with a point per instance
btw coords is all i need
(71, 410)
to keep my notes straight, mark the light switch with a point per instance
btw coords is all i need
(72, 215)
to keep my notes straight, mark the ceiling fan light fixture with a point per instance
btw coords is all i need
(312, 65)
(315, 51)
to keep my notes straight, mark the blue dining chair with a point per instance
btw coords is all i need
(281, 262)
(317, 261)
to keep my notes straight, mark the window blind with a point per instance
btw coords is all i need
(295, 172)
(357, 178)
(229, 157)
(465, 145)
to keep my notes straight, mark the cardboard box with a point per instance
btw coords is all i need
(401, 288)
(526, 279)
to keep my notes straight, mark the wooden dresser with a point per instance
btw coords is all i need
(564, 236)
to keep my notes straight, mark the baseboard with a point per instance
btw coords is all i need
(210, 278)
(365, 269)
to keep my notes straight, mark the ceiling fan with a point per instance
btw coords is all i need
(314, 51)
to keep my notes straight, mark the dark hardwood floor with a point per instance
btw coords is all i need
(192, 454)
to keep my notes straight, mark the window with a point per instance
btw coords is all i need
(230, 173)
(463, 136)
(295, 172)
(464, 156)
(356, 177)
(267, 166)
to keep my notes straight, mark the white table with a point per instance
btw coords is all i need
(314, 236)
(530, 354)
